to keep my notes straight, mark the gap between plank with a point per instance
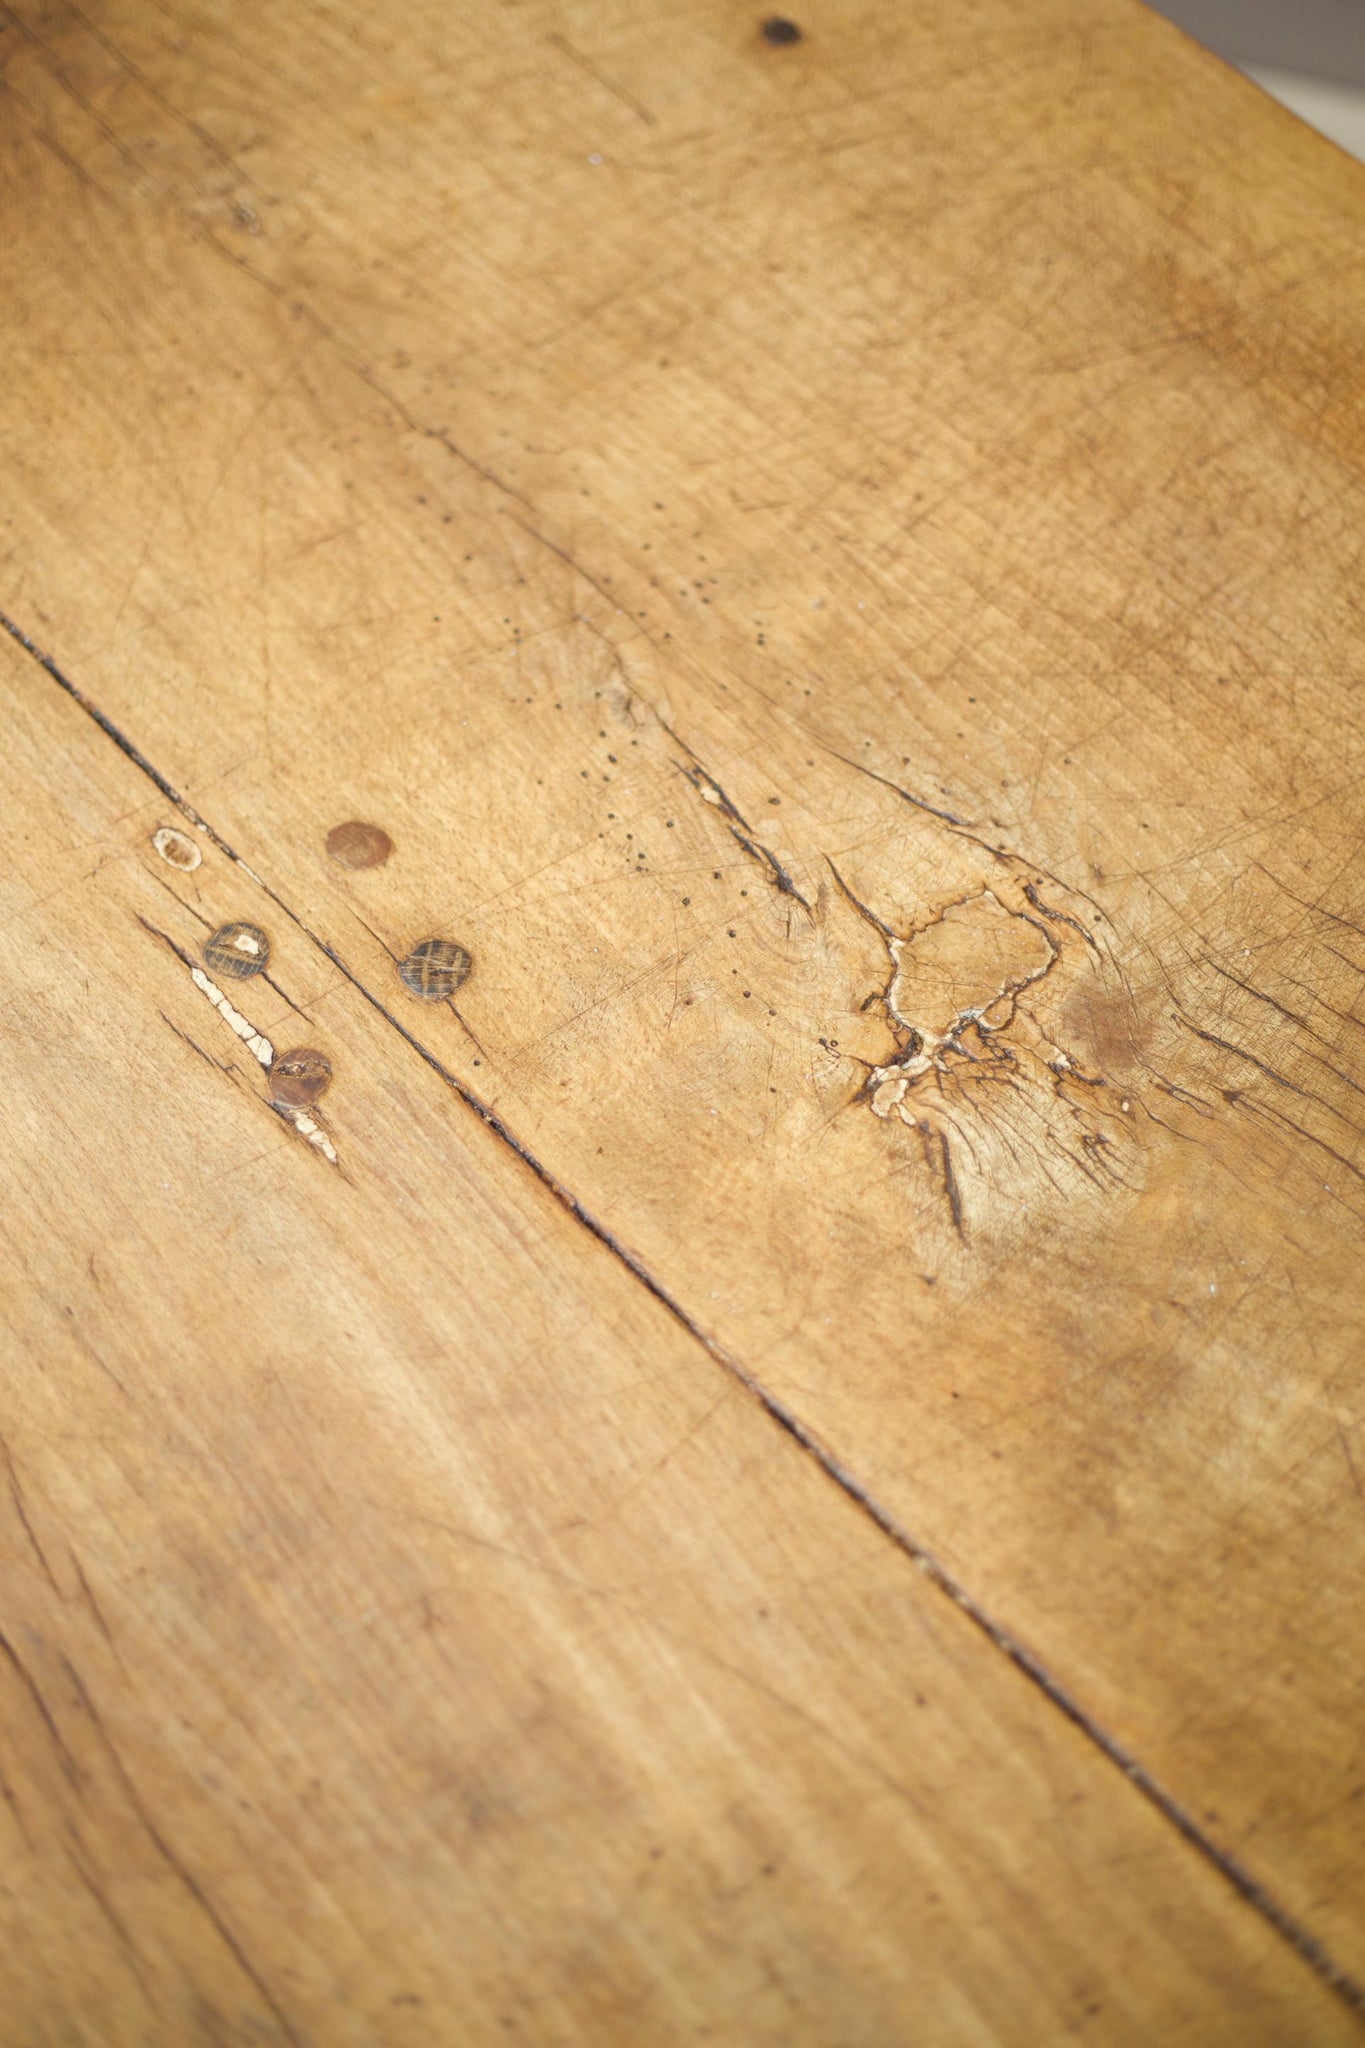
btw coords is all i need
(1229, 1867)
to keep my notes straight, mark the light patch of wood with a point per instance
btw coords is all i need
(177, 849)
(307, 1128)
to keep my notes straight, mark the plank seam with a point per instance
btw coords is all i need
(1312, 1951)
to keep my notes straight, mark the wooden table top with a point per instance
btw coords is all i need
(681, 1031)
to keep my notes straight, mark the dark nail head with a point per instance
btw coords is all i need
(298, 1078)
(237, 951)
(435, 969)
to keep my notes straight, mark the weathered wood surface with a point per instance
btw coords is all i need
(837, 566)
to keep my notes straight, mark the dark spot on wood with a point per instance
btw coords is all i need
(358, 845)
(237, 951)
(435, 969)
(1109, 1031)
(778, 31)
(299, 1077)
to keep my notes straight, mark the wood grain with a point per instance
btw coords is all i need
(836, 566)
(411, 1633)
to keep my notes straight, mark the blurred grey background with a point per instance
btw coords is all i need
(1308, 53)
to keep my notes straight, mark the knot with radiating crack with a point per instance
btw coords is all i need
(956, 987)
(976, 1001)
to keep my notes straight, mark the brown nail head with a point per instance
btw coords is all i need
(358, 845)
(298, 1078)
(175, 848)
(779, 31)
(435, 969)
(237, 950)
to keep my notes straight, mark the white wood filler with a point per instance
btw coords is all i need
(264, 1051)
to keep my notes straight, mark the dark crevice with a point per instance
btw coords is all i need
(1293, 1017)
(184, 1036)
(962, 828)
(93, 1604)
(80, 1862)
(1252, 1059)
(741, 831)
(869, 916)
(938, 1157)
(71, 1769)
(111, 731)
(1026, 1662)
(920, 803)
(1249, 1103)
(1059, 916)
(781, 880)
(1241, 1097)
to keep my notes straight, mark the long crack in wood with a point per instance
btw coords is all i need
(257, 1044)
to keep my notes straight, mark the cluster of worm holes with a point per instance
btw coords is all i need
(432, 971)
(434, 968)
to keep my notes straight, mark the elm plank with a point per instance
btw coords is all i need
(942, 426)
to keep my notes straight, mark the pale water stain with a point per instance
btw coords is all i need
(177, 850)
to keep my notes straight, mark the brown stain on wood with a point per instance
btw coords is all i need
(300, 1077)
(356, 844)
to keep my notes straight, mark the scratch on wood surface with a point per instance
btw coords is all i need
(608, 84)
(21, 1510)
